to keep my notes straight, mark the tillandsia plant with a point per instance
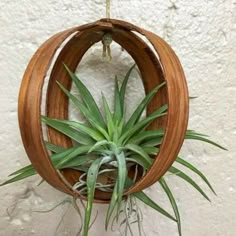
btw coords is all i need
(108, 148)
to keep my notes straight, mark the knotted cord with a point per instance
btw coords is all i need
(107, 38)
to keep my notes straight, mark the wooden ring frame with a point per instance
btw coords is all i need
(155, 66)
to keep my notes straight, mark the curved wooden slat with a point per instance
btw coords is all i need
(71, 54)
(178, 106)
(153, 71)
(29, 109)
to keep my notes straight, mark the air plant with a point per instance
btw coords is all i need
(108, 148)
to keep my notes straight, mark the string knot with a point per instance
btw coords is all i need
(106, 41)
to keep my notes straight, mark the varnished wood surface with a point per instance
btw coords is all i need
(153, 72)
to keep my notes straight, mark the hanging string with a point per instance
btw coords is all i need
(108, 8)
(107, 38)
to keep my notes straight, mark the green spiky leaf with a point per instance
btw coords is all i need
(91, 183)
(87, 97)
(67, 125)
(196, 171)
(189, 180)
(172, 201)
(139, 110)
(124, 86)
(117, 106)
(148, 201)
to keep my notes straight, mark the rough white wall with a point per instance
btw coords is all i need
(203, 33)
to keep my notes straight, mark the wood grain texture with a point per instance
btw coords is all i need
(153, 70)
(29, 109)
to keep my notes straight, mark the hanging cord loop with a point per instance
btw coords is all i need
(107, 38)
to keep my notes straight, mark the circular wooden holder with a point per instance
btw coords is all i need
(157, 64)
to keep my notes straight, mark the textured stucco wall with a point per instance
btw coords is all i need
(203, 33)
